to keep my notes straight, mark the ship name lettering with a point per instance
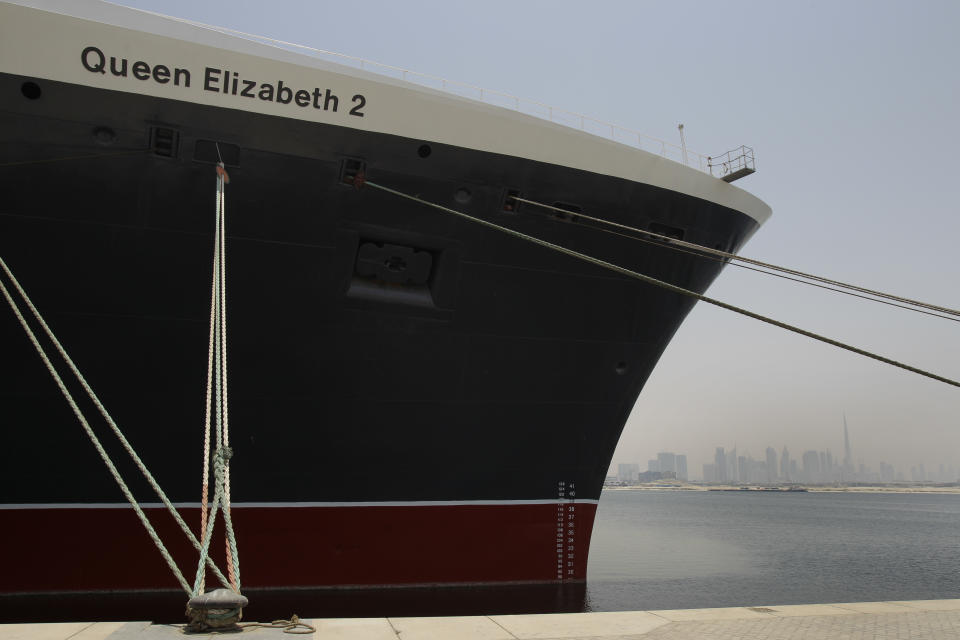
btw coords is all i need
(222, 81)
(94, 60)
(231, 83)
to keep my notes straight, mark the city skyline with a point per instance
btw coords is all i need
(802, 466)
(814, 467)
(809, 467)
(831, 434)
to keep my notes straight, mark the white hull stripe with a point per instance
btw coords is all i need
(301, 505)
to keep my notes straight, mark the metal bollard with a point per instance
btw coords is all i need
(220, 610)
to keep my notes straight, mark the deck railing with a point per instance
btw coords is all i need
(733, 164)
(527, 106)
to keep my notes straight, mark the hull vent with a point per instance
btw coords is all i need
(350, 168)
(165, 142)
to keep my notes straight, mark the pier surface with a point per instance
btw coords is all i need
(927, 619)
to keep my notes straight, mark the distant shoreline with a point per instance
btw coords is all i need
(682, 486)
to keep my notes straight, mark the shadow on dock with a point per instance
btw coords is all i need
(270, 604)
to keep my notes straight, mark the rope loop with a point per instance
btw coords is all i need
(294, 625)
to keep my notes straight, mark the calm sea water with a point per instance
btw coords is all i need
(686, 549)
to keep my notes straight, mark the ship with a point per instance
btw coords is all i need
(417, 400)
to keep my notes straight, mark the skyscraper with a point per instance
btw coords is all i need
(666, 461)
(811, 466)
(771, 465)
(847, 455)
(720, 460)
(886, 472)
(682, 467)
(710, 473)
(627, 472)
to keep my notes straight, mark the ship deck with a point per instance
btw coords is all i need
(900, 620)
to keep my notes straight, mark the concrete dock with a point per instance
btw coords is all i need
(901, 620)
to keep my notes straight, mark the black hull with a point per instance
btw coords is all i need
(508, 370)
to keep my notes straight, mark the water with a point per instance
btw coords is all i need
(687, 549)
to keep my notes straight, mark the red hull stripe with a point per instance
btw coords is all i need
(93, 548)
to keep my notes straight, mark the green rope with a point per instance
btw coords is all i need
(221, 455)
(93, 438)
(294, 625)
(667, 285)
(674, 243)
(103, 412)
(208, 534)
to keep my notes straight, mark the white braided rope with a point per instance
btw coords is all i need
(233, 557)
(205, 484)
(208, 532)
(217, 404)
(100, 407)
(93, 437)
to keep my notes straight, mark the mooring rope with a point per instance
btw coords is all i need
(93, 437)
(294, 625)
(233, 557)
(659, 283)
(726, 255)
(222, 453)
(62, 352)
(661, 244)
(664, 245)
(214, 286)
(216, 402)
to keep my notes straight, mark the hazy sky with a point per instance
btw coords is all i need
(853, 109)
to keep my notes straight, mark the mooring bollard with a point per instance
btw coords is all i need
(220, 609)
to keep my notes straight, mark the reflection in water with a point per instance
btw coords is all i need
(658, 554)
(668, 550)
